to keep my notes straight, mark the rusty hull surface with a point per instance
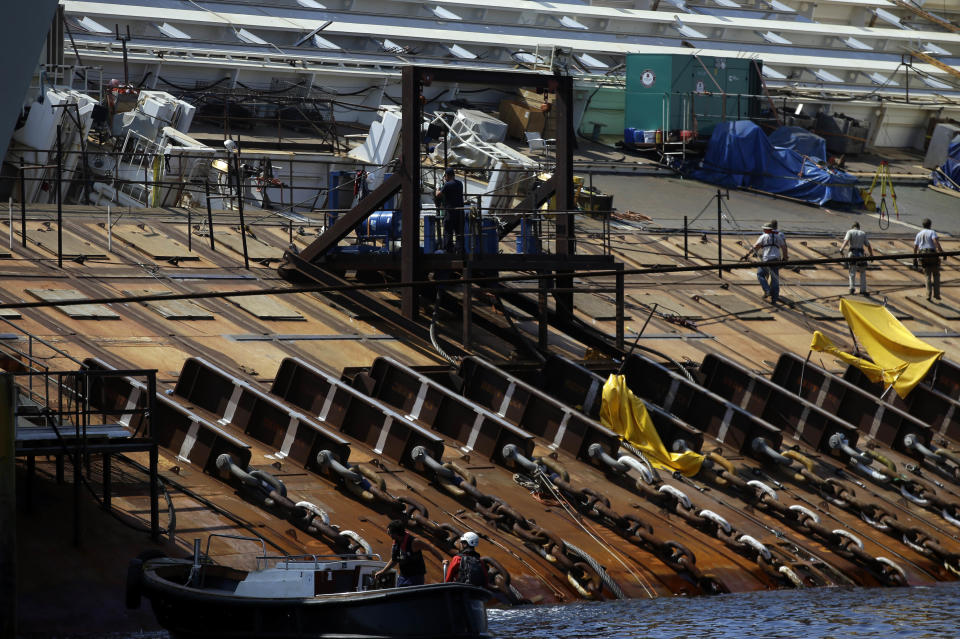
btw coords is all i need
(245, 390)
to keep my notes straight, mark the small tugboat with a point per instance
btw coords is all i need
(316, 597)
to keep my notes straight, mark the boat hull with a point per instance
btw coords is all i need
(420, 612)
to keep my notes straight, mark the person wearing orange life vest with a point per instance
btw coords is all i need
(466, 567)
(407, 555)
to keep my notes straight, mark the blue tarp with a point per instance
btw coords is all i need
(948, 173)
(800, 140)
(740, 155)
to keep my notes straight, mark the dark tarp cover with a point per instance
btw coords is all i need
(800, 140)
(948, 173)
(740, 155)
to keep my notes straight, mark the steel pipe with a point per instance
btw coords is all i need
(760, 445)
(512, 453)
(419, 454)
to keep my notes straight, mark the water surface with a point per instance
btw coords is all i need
(817, 613)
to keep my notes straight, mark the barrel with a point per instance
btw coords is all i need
(527, 242)
(429, 233)
(381, 225)
(489, 238)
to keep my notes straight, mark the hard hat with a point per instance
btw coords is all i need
(471, 539)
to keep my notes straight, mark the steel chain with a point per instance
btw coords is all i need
(269, 493)
(417, 517)
(551, 547)
(804, 521)
(681, 505)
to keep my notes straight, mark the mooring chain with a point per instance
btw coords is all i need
(581, 575)
(804, 520)
(652, 488)
(844, 496)
(926, 497)
(597, 506)
(365, 484)
(270, 493)
(637, 531)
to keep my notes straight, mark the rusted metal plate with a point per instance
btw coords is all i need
(817, 310)
(942, 308)
(153, 243)
(256, 250)
(44, 236)
(704, 247)
(733, 305)
(76, 311)
(666, 304)
(173, 309)
(267, 307)
(650, 256)
(9, 313)
(596, 307)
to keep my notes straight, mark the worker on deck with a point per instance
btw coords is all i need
(452, 194)
(407, 555)
(466, 567)
(927, 244)
(856, 241)
(771, 246)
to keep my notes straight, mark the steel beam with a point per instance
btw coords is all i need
(349, 221)
(410, 195)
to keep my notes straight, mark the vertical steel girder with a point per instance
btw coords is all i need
(415, 77)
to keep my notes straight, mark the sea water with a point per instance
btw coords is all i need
(816, 613)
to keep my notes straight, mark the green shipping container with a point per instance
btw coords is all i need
(685, 92)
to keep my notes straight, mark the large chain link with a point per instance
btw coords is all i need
(366, 485)
(270, 493)
(844, 496)
(805, 521)
(585, 577)
(653, 489)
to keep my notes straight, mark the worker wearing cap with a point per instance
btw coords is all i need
(466, 567)
(927, 245)
(771, 246)
(856, 241)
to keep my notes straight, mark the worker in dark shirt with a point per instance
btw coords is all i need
(467, 567)
(452, 194)
(407, 555)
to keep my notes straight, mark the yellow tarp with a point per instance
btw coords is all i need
(900, 359)
(625, 414)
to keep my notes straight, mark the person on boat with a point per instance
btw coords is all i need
(772, 247)
(856, 241)
(466, 567)
(927, 244)
(407, 556)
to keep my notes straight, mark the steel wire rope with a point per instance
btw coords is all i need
(845, 525)
(796, 550)
(240, 523)
(429, 283)
(516, 330)
(68, 451)
(874, 491)
(635, 345)
(544, 580)
(433, 331)
(593, 534)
